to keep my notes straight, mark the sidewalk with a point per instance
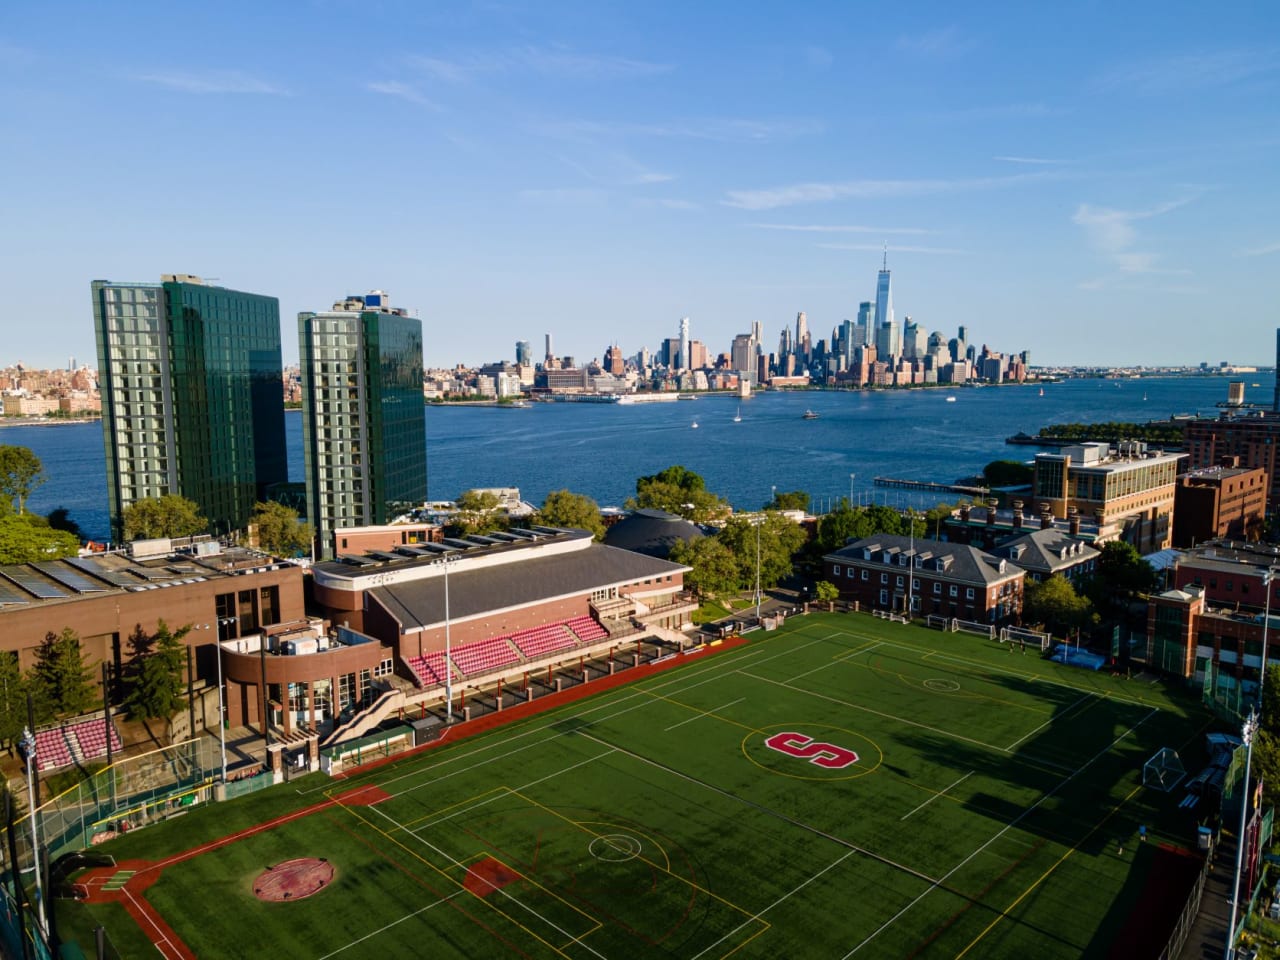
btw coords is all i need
(1208, 937)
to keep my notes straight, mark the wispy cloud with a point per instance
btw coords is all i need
(943, 42)
(654, 178)
(895, 248)
(1194, 71)
(839, 228)
(554, 62)
(214, 81)
(1032, 110)
(1037, 161)
(1113, 234)
(793, 194)
(394, 88)
(717, 129)
(1262, 251)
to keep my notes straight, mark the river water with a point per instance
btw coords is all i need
(600, 449)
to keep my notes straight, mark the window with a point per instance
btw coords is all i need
(835, 570)
(884, 596)
(866, 574)
(968, 594)
(385, 669)
(937, 588)
(884, 578)
(955, 591)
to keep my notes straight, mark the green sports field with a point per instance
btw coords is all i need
(842, 787)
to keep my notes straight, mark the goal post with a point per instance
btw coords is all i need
(1164, 771)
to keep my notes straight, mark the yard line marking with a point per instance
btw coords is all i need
(1039, 880)
(701, 713)
(1027, 736)
(1003, 830)
(767, 811)
(501, 892)
(164, 939)
(1035, 761)
(785, 896)
(393, 923)
(938, 794)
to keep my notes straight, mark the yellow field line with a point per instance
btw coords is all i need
(700, 712)
(1039, 880)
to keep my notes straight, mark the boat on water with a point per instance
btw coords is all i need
(737, 417)
(695, 425)
(1042, 391)
(809, 415)
(951, 399)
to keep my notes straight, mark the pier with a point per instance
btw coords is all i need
(931, 487)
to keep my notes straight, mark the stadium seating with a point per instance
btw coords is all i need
(429, 670)
(92, 739)
(588, 630)
(52, 750)
(539, 641)
(54, 747)
(483, 656)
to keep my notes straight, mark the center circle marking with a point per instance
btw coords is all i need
(941, 686)
(615, 848)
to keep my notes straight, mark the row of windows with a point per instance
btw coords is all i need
(899, 581)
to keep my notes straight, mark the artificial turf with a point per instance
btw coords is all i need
(992, 811)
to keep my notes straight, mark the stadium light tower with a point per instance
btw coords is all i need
(1248, 731)
(29, 745)
(448, 670)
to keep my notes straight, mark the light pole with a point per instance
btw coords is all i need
(1247, 733)
(851, 476)
(911, 560)
(448, 670)
(29, 745)
(759, 520)
(222, 710)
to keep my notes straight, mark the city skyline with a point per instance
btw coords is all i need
(1070, 187)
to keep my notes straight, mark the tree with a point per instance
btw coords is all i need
(1055, 603)
(793, 500)
(715, 569)
(60, 519)
(1007, 473)
(477, 513)
(565, 509)
(27, 538)
(154, 677)
(280, 532)
(60, 680)
(777, 543)
(20, 473)
(679, 491)
(171, 516)
(827, 591)
(13, 698)
(1122, 568)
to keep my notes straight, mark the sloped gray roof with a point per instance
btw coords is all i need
(1042, 551)
(420, 603)
(967, 564)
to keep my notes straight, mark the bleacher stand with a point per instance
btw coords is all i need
(588, 630)
(52, 751)
(57, 746)
(482, 656)
(92, 739)
(430, 669)
(539, 641)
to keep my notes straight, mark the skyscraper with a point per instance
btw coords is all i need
(524, 353)
(363, 420)
(550, 354)
(683, 362)
(884, 312)
(192, 400)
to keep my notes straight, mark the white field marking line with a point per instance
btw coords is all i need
(756, 917)
(500, 891)
(394, 923)
(459, 810)
(1062, 715)
(1037, 677)
(717, 671)
(938, 794)
(702, 713)
(898, 719)
(1003, 830)
(160, 933)
(767, 811)
(840, 658)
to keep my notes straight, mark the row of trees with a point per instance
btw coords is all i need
(60, 683)
(27, 537)
(1120, 575)
(1112, 431)
(280, 530)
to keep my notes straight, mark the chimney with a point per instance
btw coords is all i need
(1073, 521)
(1017, 515)
(1046, 520)
(964, 513)
(991, 512)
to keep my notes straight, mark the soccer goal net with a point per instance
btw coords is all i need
(1164, 770)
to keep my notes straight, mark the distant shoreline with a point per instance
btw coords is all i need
(45, 421)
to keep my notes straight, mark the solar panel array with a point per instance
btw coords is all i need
(10, 594)
(34, 585)
(95, 567)
(69, 577)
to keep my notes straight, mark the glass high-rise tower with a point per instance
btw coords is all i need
(363, 419)
(192, 399)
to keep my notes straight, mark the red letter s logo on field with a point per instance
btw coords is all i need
(826, 755)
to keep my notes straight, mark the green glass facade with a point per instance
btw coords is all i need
(364, 423)
(192, 396)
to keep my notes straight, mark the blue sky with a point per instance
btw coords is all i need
(1096, 183)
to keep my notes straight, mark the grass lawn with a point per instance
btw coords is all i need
(842, 787)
